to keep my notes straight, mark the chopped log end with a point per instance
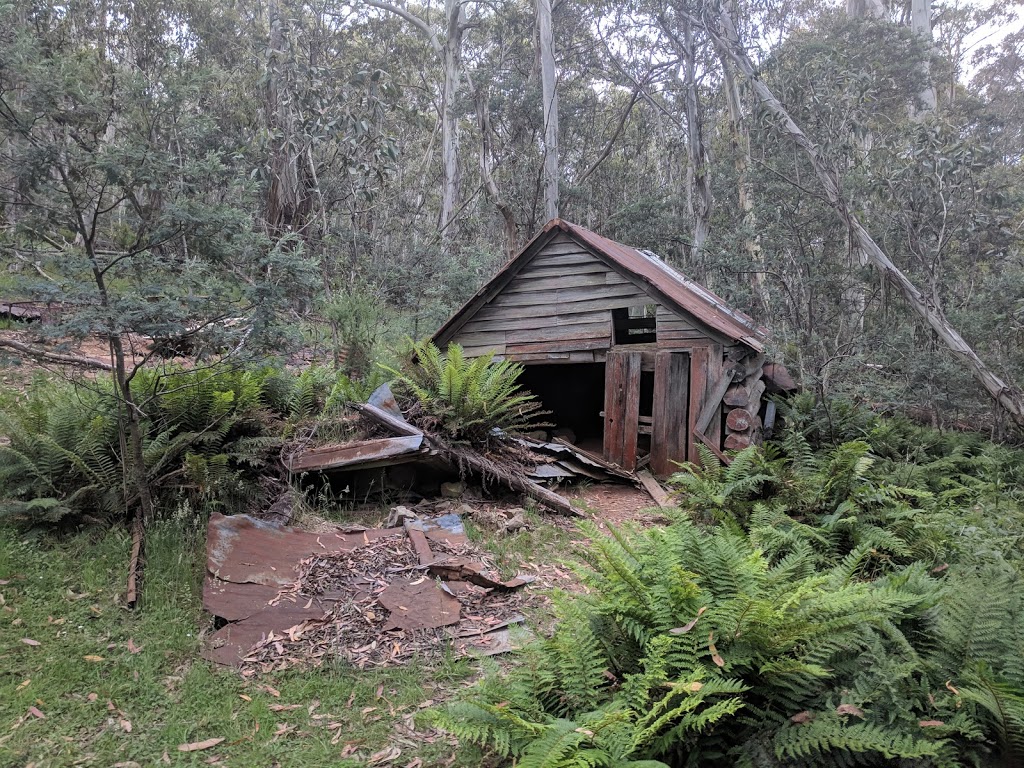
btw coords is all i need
(739, 420)
(737, 442)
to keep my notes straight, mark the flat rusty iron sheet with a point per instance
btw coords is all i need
(244, 550)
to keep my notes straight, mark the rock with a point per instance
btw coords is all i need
(515, 523)
(485, 516)
(452, 490)
(398, 517)
(565, 433)
(537, 434)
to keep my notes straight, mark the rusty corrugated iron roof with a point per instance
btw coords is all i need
(656, 277)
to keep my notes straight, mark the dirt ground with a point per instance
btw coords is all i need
(618, 503)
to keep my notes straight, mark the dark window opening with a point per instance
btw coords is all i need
(635, 325)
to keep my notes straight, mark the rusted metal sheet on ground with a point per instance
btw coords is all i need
(253, 579)
(242, 549)
(362, 454)
(419, 604)
(229, 644)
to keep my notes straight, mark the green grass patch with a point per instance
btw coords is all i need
(117, 686)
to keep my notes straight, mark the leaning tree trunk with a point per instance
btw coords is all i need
(483, 116)
(549, 92)
(1010, 397)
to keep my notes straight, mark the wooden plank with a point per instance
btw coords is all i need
(577, 345)
(528, 284)
(698, 386)
(716, 368)
(631, 425)
(587, 294)
(540, 357)
(500, 322)
(671, 408)
(714, 399)
(581, 357)
(473, 338)
(555, 269)
(473, 351)
(561, 332)
(653, 487)
(575, 257)
(669, 320)
(621, 408)
(355, 454)
(551, 310)
(714, 448)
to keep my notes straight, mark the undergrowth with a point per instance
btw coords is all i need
(212, 441)
(814, 602)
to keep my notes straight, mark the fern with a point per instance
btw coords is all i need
(469, 398)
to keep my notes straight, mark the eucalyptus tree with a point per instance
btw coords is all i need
(721, 27)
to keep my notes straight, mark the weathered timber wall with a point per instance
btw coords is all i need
(559, 307)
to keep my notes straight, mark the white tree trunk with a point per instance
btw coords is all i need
(745, 190)
(921, 23)
(549, 90)
(451, 61)
(698, 192)
(1010, 397)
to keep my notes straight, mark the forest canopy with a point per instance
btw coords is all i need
(255, 177)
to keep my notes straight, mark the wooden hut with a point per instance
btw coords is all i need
(634, 360)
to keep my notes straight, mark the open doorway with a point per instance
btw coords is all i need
(574, 393)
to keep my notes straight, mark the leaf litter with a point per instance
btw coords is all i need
(359, 629)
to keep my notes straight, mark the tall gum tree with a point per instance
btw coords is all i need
(720, 25)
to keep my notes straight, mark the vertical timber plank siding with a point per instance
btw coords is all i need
(698, 386)
(621, 408)
(631, 422)
(671, 428)
(716, 366)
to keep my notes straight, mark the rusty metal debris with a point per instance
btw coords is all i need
(289, 598)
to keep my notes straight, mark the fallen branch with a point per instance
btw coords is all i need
(55, 357)
(466, 458)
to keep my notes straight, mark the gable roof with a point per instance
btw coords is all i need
(668, 286)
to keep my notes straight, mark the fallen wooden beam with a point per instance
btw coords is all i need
(361, 453)
(461, 458)
(654, 488)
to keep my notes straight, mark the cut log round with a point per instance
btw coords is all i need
(738, 420)
(737, 442)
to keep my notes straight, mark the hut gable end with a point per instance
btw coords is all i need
(565, 294)
(559, 301)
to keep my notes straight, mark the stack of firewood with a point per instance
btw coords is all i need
(742, 404)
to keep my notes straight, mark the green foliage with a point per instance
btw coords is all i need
(211, 438)
(468, 398)
(829, 616)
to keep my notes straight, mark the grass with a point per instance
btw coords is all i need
(126, 688)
